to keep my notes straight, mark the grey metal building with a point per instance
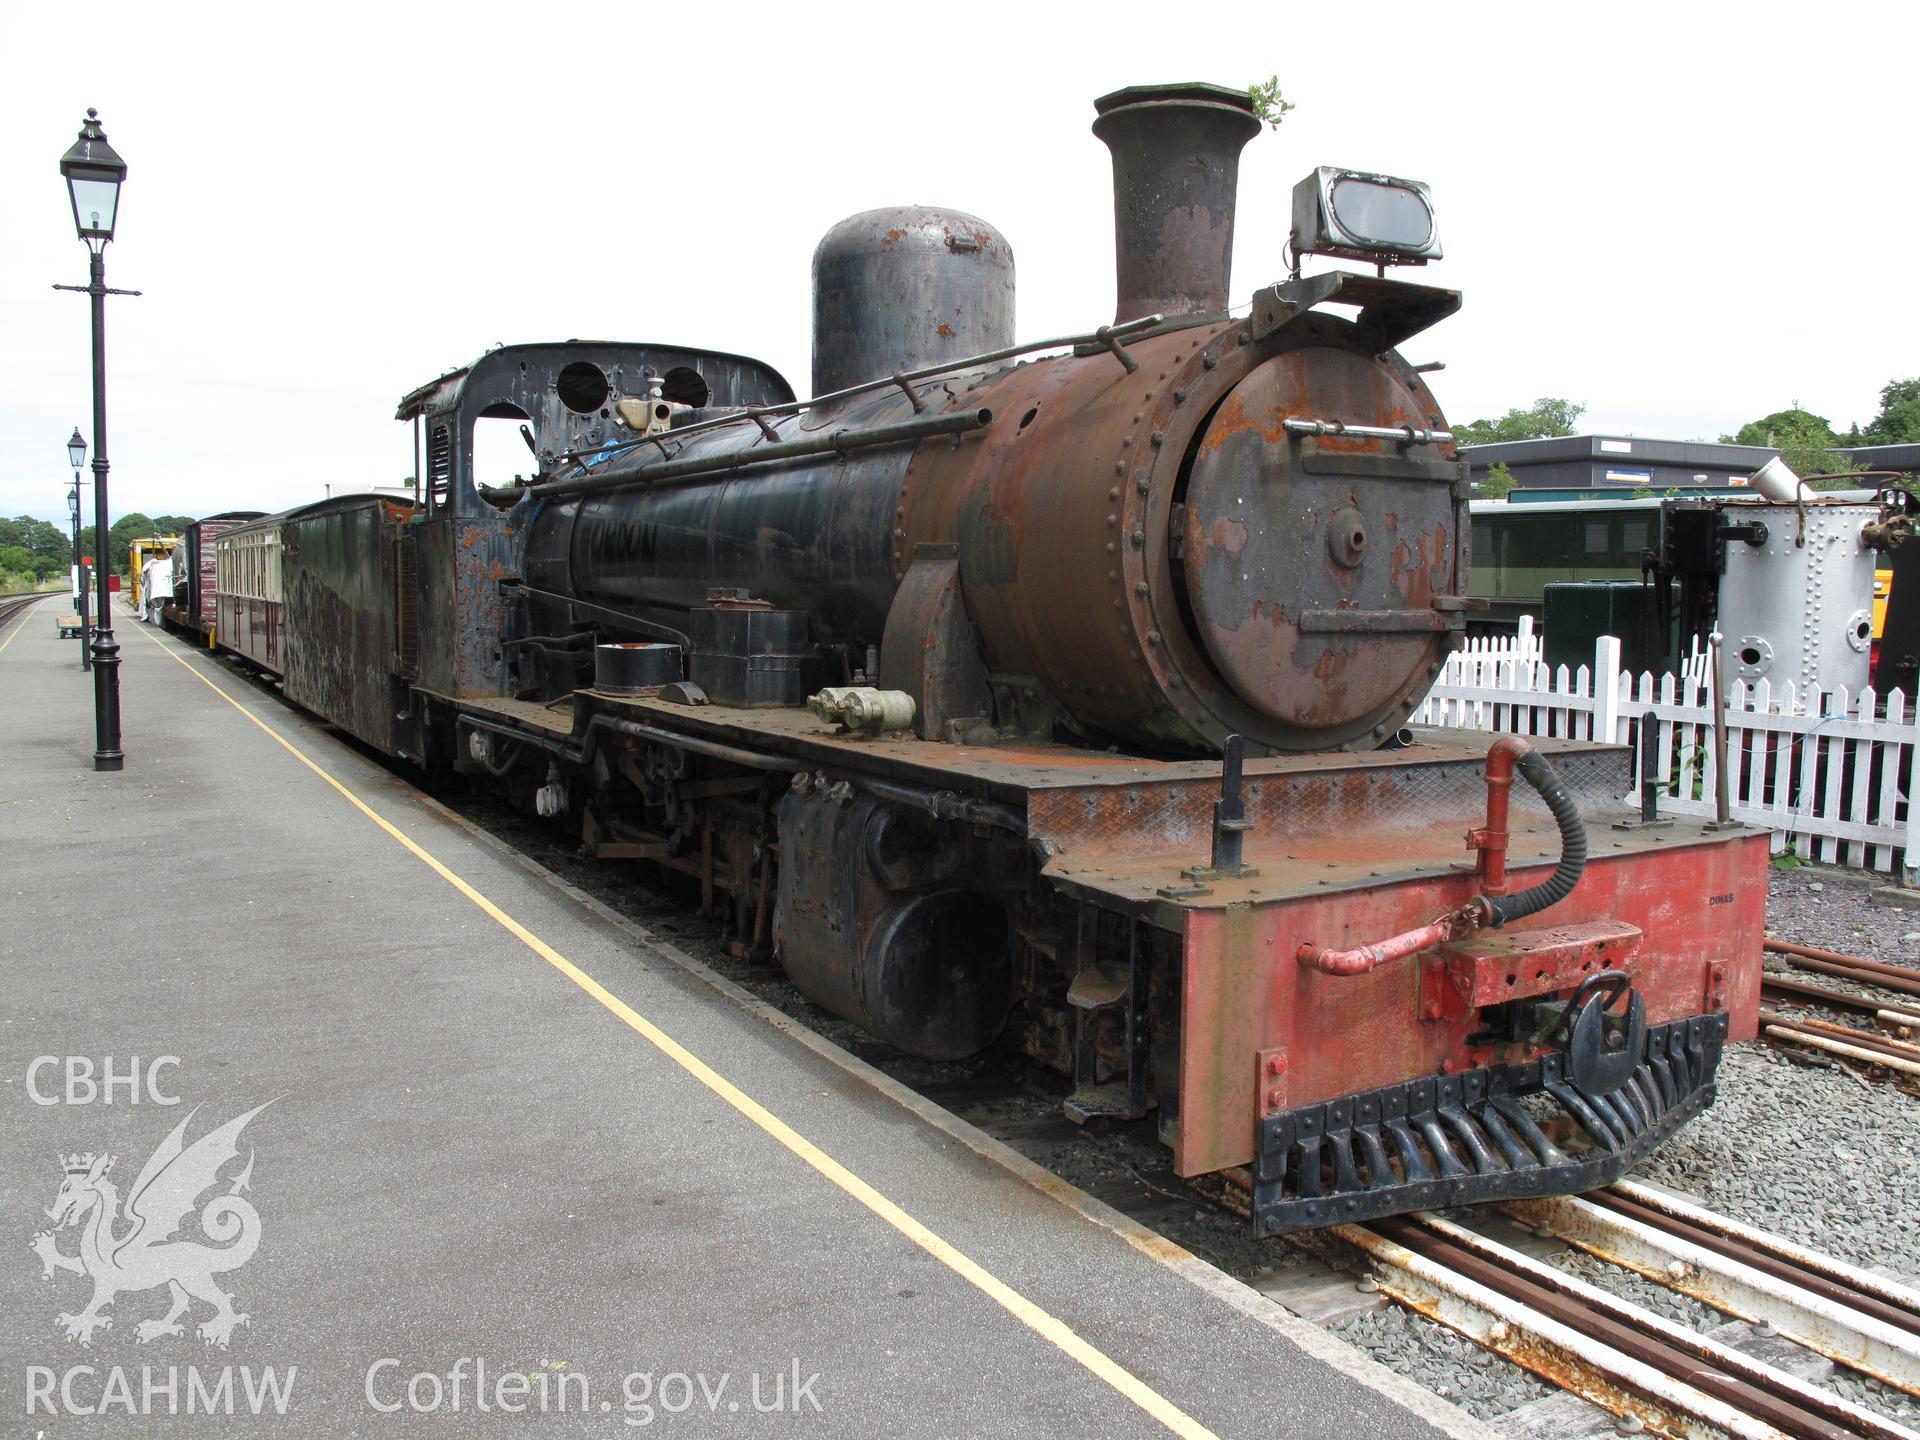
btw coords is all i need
(1582, 463)
(1885, 457)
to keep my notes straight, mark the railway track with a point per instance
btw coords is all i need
(1893, 1048)
(1641, 1366)
(12, 607)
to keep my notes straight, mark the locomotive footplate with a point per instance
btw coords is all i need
(1478, 1136)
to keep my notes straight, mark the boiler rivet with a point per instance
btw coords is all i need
(1157, 438)
(1114, 493)
(1153, 637)
(1113, 519)
(1141, 589)
(1210, 361)
(1179, 397)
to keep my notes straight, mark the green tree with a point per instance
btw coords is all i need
(129, 528)
(51, 552)
(1898, 422)
(1495, 487)
(17, 560)
(1805, 441)
(1547, 416)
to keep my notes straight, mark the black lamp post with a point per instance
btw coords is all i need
(77, 453)
(93, 173)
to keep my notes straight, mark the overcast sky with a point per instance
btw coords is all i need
(1683, 216)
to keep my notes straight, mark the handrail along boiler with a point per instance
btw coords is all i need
(1052, 695)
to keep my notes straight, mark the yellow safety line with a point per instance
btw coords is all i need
(1040, 1321)
(25, 610)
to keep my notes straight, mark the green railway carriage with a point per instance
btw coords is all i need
(1519, 549)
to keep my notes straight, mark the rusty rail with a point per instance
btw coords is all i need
(1863, 1322)
(1862, 1046)
(1816, 994)
(1902, 979)
(1618, 1355)
(1856, 1052)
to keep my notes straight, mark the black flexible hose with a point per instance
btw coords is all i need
(1573, 846)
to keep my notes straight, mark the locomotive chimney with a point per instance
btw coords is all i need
(1176, 168)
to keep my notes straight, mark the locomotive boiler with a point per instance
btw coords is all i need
(1051, 695)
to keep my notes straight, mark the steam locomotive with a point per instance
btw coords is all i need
(1052, 695)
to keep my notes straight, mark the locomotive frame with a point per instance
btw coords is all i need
(1039, 564)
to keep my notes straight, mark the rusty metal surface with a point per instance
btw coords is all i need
(1060, 527)
(1696, 904)
(1069, 547)
(928, 647)
(1278, 528)
(1176, 166)
(339, 579)
(904, 287)
(524, 376)
(1011, 772)
(566, 393)
(1492, 968)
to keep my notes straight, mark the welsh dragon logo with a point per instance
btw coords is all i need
(124, 1251)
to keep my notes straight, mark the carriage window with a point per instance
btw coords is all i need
(1596, 537)
(1633, 536)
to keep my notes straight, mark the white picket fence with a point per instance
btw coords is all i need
(1827, 772)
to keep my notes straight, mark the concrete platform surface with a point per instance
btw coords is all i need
(516, 1161)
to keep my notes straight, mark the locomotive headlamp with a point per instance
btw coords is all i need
(94, 172)
(1359, 216)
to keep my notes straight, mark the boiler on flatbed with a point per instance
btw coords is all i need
(1051, 695)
